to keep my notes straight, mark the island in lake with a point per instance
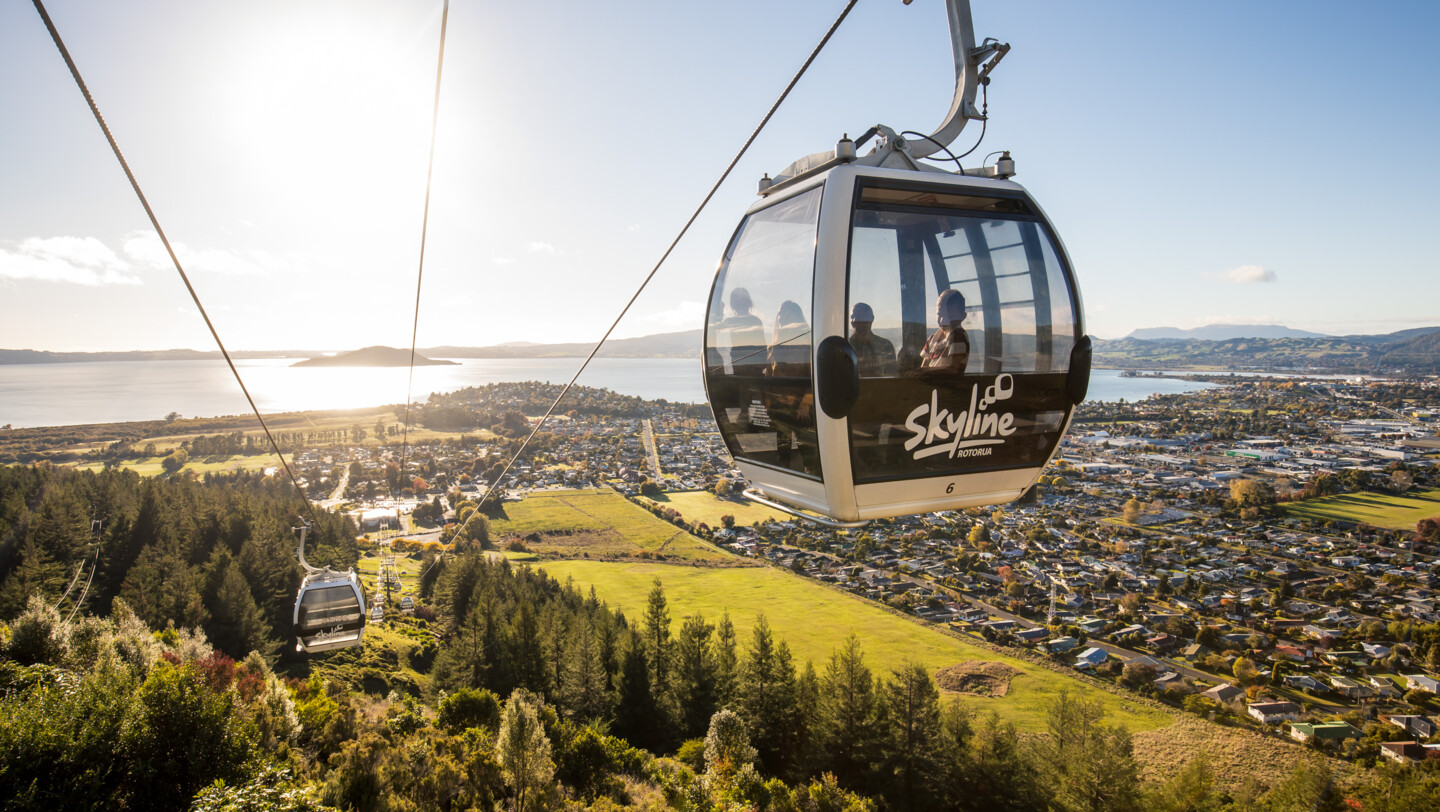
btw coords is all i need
(372, 357)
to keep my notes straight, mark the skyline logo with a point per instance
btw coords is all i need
(970, 433)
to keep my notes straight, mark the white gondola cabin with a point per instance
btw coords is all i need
(883, 342)
(330, 606)
(886, 337)
(329, 611)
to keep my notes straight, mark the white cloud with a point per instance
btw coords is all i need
(1243, 275)
(632, 227)
(542, 248)
(686, 315)
(145, 247)
(503, 261)
(75, 260)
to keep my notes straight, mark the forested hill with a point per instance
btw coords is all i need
(1410, 351)
(217, 554)
(530, 695)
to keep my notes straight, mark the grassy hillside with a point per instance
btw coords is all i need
(814, 618)
(1379, 509)
(704, 506)
(597, 523)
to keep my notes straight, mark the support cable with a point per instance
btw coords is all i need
(703, 203)
(155, 222)
(424, 229)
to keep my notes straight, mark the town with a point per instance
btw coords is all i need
(1186, 547)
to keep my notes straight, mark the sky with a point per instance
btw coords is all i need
(1219, 162)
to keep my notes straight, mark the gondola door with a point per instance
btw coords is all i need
(963, 317)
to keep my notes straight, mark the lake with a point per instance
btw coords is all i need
(122, 391)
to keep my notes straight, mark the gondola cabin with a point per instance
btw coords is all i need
(882, 342)
(377, 611)
(407, 605)
(329, 611)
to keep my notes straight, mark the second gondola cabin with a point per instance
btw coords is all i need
(884, 342)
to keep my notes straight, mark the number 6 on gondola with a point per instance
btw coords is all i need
(883, 342)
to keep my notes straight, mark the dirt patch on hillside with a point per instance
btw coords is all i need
(979, 678)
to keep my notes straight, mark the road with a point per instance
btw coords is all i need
(653, 458)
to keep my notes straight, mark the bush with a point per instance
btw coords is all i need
(468, 708)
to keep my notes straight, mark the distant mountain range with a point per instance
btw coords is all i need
(1410, 351)
(1221, 332)
(1415, 351)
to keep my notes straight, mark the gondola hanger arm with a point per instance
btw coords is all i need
(971, 69)
(973, 65)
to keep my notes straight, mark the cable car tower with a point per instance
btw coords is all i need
(886, 337)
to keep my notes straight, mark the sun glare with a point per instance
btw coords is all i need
(333, 112)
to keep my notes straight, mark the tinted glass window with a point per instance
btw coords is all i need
(960, 310)
(331, 604)
(758, 339)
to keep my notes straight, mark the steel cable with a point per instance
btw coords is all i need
(666, 255)
(154, 221)
(424, 231)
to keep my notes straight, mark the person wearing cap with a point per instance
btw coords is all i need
(949, 347)
(876, 354)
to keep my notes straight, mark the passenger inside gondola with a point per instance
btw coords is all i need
(948, 348)
(789, 354)
(876, 354)
(745, 334)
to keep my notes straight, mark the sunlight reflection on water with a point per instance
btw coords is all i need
(70, 394)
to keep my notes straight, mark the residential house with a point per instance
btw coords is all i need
(1090, 657)
(1350, 689)
(1224, 693)
(1060, 645)
(1271, 712)
(1422, 682)
(1409, 752)
(1418, 726)
(1303, 682)
(1291, 653)
(1324, 731)
(1034, 635)
(1163, 641)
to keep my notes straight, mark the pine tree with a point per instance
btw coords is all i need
(635, 709)
(914, 706)
(657, 639)
(695, 681)
(237, 625)
(583, 685)
(850, 732)
(727, 663)
(767, 697)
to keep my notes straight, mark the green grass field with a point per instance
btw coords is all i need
(150, 466)
(1381, 510)
(813, 619)
(704, 506)
(368, 568)
(598, 522)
